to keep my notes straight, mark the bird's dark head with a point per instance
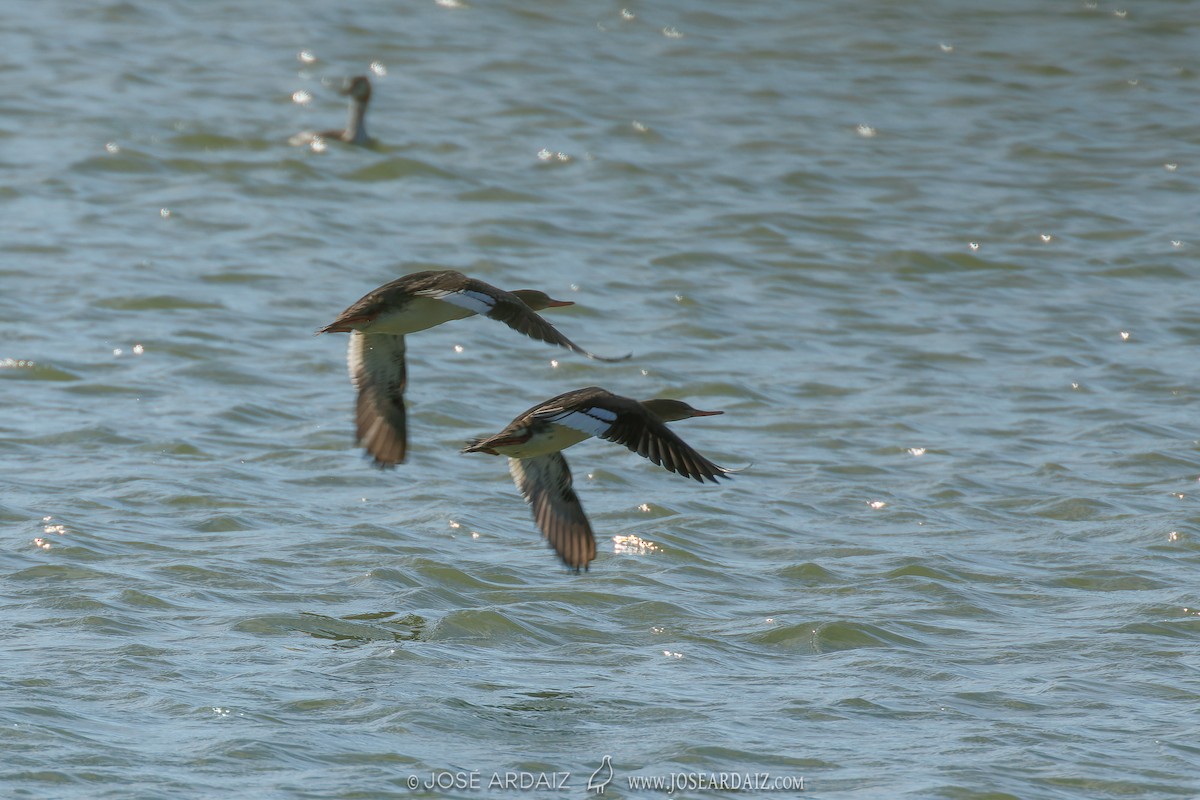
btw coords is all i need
(539, 301)
(672, 410)
(359, 88)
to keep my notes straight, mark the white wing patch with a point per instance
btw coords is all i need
(592, 421)
(517, 471)
(354, 354)
(603, 413)
(475, 302)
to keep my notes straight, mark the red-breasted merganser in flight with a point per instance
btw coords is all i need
(535, 440)
(379, 321)
(359, 91)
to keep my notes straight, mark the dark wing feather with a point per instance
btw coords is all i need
(648, 437)
(378, 371)
(545, 481)
(513, 312)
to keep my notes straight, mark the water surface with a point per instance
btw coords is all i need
(931, 259)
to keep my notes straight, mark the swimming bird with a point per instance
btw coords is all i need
(359, 91)
(534, 442)
(378, 323)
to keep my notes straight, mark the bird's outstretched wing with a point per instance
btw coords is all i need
(648, 437)
(545, 481)
(378, 371)
(506, 307)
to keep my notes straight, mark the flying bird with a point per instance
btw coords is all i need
(534, 442)
(378, 323)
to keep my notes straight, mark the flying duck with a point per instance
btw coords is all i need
(378, 323)
(534, 442)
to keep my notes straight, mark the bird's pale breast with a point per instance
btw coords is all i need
(418, 314)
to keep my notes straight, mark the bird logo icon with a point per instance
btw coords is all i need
(602, 777)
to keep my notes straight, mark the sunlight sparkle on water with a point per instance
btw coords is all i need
(113, 147)
(916, 451)
(50, 528)
(302, 97)
(1046, 237)
(379, 68)
(671, 33)
(865, 131)
(1170, 167)
(1124, 336)
(877, 504)
(633, 545)
(306, 57)
(458, 348)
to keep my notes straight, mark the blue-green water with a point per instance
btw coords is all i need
(932, 259)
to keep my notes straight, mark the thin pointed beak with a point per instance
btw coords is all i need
(559, 303)
(698, 413)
